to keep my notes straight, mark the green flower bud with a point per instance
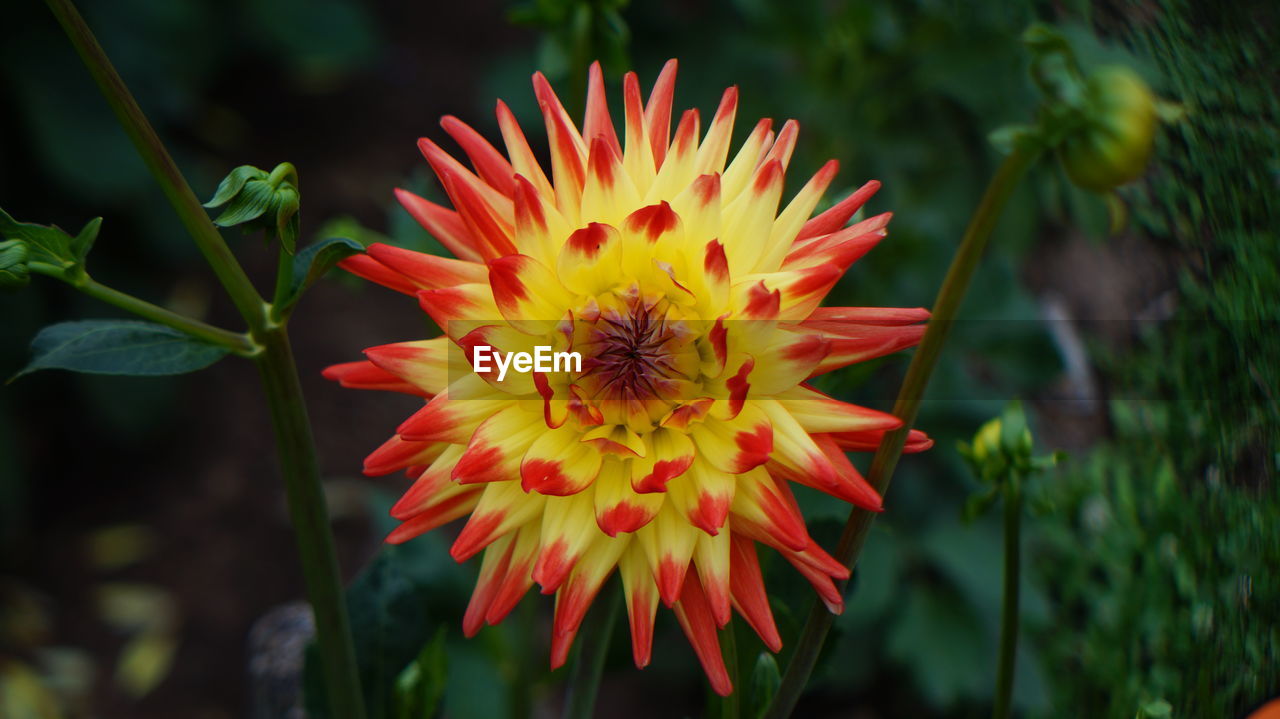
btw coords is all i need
(14, 272)
(260, 200)
(1002, 445)
(1118, 135)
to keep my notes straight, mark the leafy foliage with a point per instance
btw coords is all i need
(1214, 198)
(120, 347)
(403, 608)
(1165, 587)
(50, 245)
(313, 262)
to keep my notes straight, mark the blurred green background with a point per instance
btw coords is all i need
(142, 529)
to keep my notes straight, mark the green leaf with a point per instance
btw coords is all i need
(1158, 709)
(14, 272)
(765, 679)
(1014, 436)
(250, 203)
(83, 242)
(421, 685)
(311, 263)
(119, 347)
(389, 620)
(233, 183)
(49, 244)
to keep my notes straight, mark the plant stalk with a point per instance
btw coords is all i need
(588, 665)
(730, 706)
(294, 442)
(307, 510)
(1009, 605)
(238, 343)
(284, 280)
(945, 307)
(162, 167)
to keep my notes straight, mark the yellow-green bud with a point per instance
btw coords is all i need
(1116, 141)
(986, 443)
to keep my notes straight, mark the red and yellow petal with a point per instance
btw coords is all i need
(644, 248)
(559, 463)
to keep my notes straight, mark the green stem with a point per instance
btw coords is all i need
(525, 633)
(294, 442)
(238, 343)
(162, 167)
(1009, 606)
(284, 279)
(296, 448)
(588, 665)
(945, 307)
(730, 707)
(282, 172)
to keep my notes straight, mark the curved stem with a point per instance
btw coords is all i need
(238, 343)
(588, 666)
(162, 167)
(307, 510)
(945, 307)
(1009, 605)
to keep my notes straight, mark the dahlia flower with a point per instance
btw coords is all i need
(693, 303)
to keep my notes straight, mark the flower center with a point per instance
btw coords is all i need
(638, 355)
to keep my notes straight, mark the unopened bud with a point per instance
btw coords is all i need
(14, 272)
(986, 443)
(258, 199)
(1115, 142)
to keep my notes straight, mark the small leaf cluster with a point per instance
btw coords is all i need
(47, 249)
(262, 200)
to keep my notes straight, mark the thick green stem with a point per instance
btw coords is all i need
(588, 665)
(1009, 606)
(162, 167)
(307, 509)
(945, 307)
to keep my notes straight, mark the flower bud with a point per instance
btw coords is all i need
(14, 272)
(260, 200)
(986, 443)
(1118, 135)
(1002, 445)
